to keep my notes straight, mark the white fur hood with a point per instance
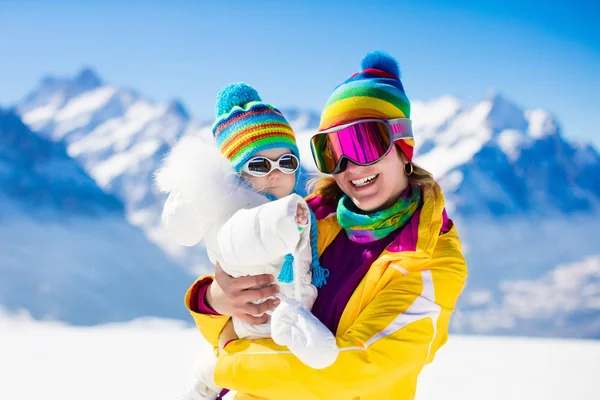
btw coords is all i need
(203, 190)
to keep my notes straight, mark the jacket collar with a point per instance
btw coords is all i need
(418, 237)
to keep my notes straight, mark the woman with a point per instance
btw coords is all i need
(395, 261)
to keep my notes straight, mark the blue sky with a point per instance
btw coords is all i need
(539, 54)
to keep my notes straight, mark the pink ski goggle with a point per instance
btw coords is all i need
(363, 142)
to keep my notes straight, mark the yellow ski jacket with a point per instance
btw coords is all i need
(394, 323)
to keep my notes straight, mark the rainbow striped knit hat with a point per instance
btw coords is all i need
(245, 125)
(375, 92)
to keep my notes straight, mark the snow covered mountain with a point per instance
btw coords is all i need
(67, 251)
(516, 161)
(525, 199)
(120, 138)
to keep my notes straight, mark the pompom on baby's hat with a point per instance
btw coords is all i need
(245, 125)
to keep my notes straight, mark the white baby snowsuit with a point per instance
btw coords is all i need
(248, 235)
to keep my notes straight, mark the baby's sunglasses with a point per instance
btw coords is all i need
(364, 142)
(262, 166)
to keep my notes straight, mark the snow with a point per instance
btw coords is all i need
(130, 361)
(511, 141)
(472, 122)
(540, 123)
(150, 359)
(52, 93)
(429, 116)
(451, 182)
(117, 132)
(456, 140)
(442, 159)
(492, 368)
(41, 115)
(105, 171)
(504, 114)
(85, 103)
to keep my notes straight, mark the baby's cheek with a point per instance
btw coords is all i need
(257, 183)
(290, 181)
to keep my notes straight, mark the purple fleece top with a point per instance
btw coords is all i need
(347, 262)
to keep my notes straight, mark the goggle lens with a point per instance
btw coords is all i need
(363, 143)
(262, 166)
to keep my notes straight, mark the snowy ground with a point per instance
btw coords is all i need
(150, 360)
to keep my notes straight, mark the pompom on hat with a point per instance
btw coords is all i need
(245, 125)
(374, 92)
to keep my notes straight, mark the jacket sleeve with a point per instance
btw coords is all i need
(261, 234)
(396, 333)
(183, 219)
(210, 325)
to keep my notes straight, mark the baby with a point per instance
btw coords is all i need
(239, 197)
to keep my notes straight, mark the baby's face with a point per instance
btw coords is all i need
(276, 183)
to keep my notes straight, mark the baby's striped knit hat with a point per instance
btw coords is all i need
(245, 125)
(374, 92)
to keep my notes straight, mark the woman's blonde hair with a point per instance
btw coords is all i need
(326, 187)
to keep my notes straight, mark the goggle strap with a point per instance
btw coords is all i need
(401, 128)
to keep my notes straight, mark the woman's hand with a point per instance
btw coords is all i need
(234, 296)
